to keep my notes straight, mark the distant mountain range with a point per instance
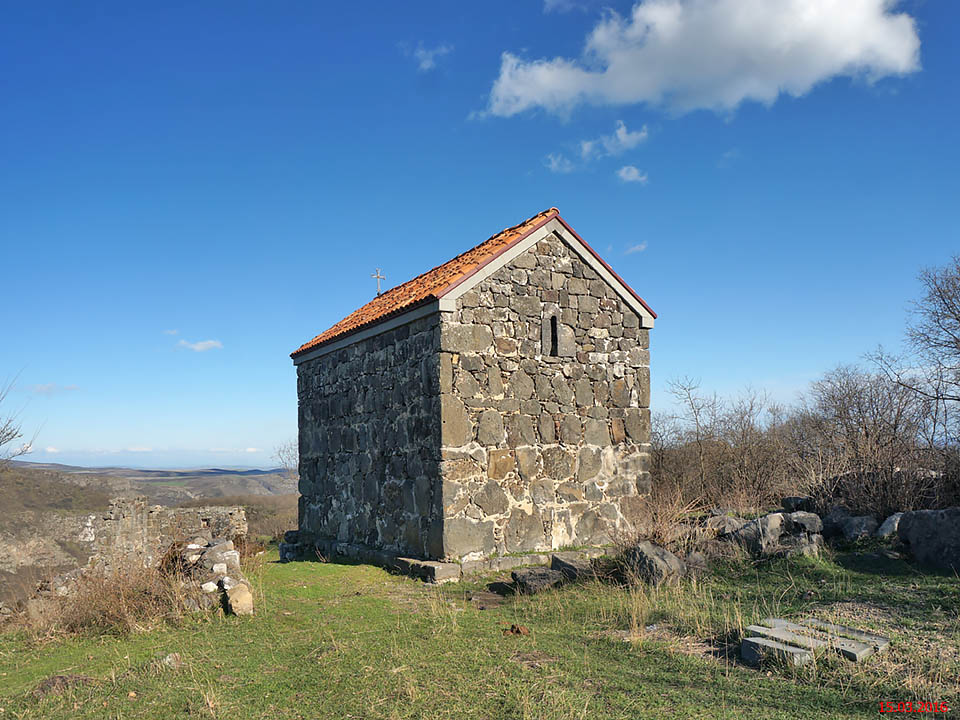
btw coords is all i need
(167, 486)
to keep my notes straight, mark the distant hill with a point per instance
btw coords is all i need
(164, 487)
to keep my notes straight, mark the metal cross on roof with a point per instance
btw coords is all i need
(378, 277)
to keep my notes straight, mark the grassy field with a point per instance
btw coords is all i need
(351, 641)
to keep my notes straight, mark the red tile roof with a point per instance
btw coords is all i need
(435, 283)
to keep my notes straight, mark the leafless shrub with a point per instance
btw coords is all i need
(667, 518)
(10, 429)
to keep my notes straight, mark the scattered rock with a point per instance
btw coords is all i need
(762, 536)
(933, 536)
(530, 581)
(834, 520)
(889, 526)
(652, 563)
(573, 565)
(808, 522)
(172, 661)
(796, 503)
(240, 600)
(696, 561)
(724, 524)
(854, 528)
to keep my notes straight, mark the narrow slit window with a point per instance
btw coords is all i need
(553, 336)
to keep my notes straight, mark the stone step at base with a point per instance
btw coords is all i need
(753, 650)
(877, 641)
(850, 649)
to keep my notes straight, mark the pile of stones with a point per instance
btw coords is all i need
(213, 567)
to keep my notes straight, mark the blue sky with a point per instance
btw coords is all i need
(770, 177)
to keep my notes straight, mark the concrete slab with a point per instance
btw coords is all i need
(753, 650)
(878, 642)
(788, 637)
(850, 649)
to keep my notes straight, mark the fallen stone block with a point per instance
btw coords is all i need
(754, 650)
(933, 536)
(652, 563)
(788, 637)
(240, 600)
(573, 565)
(530, 581)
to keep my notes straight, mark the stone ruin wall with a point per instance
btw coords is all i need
(369, 418)
(542, 452)
(130, 529)
(133, 529)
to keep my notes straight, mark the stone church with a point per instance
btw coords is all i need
(497, 403)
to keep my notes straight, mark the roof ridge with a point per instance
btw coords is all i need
(544, 213)
(429, 285)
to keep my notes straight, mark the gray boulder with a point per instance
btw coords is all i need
(933, 536)
(807, 522)
(797, 502)
(834, 520)
(806, 545)
(854, 528)
(889, 526)
(652, 563)
(762, 535)
(572, 565)
(530, 581)
(724, 524)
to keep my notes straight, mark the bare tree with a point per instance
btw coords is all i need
(288, 455)
(10, 430)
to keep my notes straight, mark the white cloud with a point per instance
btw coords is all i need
(171, 332)
(427, 59)
(628, 173)
(728, 157)
(638, 248)
(620, 141)
(714, 54)
(253, 450)
(201, 346)
(51, 450)
(139, 449)
(558, 163)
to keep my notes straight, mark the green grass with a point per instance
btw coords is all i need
(351, 641)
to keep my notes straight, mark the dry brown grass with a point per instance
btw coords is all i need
(122, 600)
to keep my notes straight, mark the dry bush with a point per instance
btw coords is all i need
(666, 518)
(857, 438)
(127, 598)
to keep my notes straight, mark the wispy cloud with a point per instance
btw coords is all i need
(638, 248)
(560, 6)
(52, 389)
(139, 449)
(558, 163)
(51, 450)
(171, 332)
(201, 346)
(427, 57)
(713, 54)
(630, 174)
(729, 157)
(252, 450)
(616, 143)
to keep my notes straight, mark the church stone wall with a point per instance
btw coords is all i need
(370, 443)
(542, 451)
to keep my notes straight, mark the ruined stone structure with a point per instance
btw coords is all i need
(499, 403)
